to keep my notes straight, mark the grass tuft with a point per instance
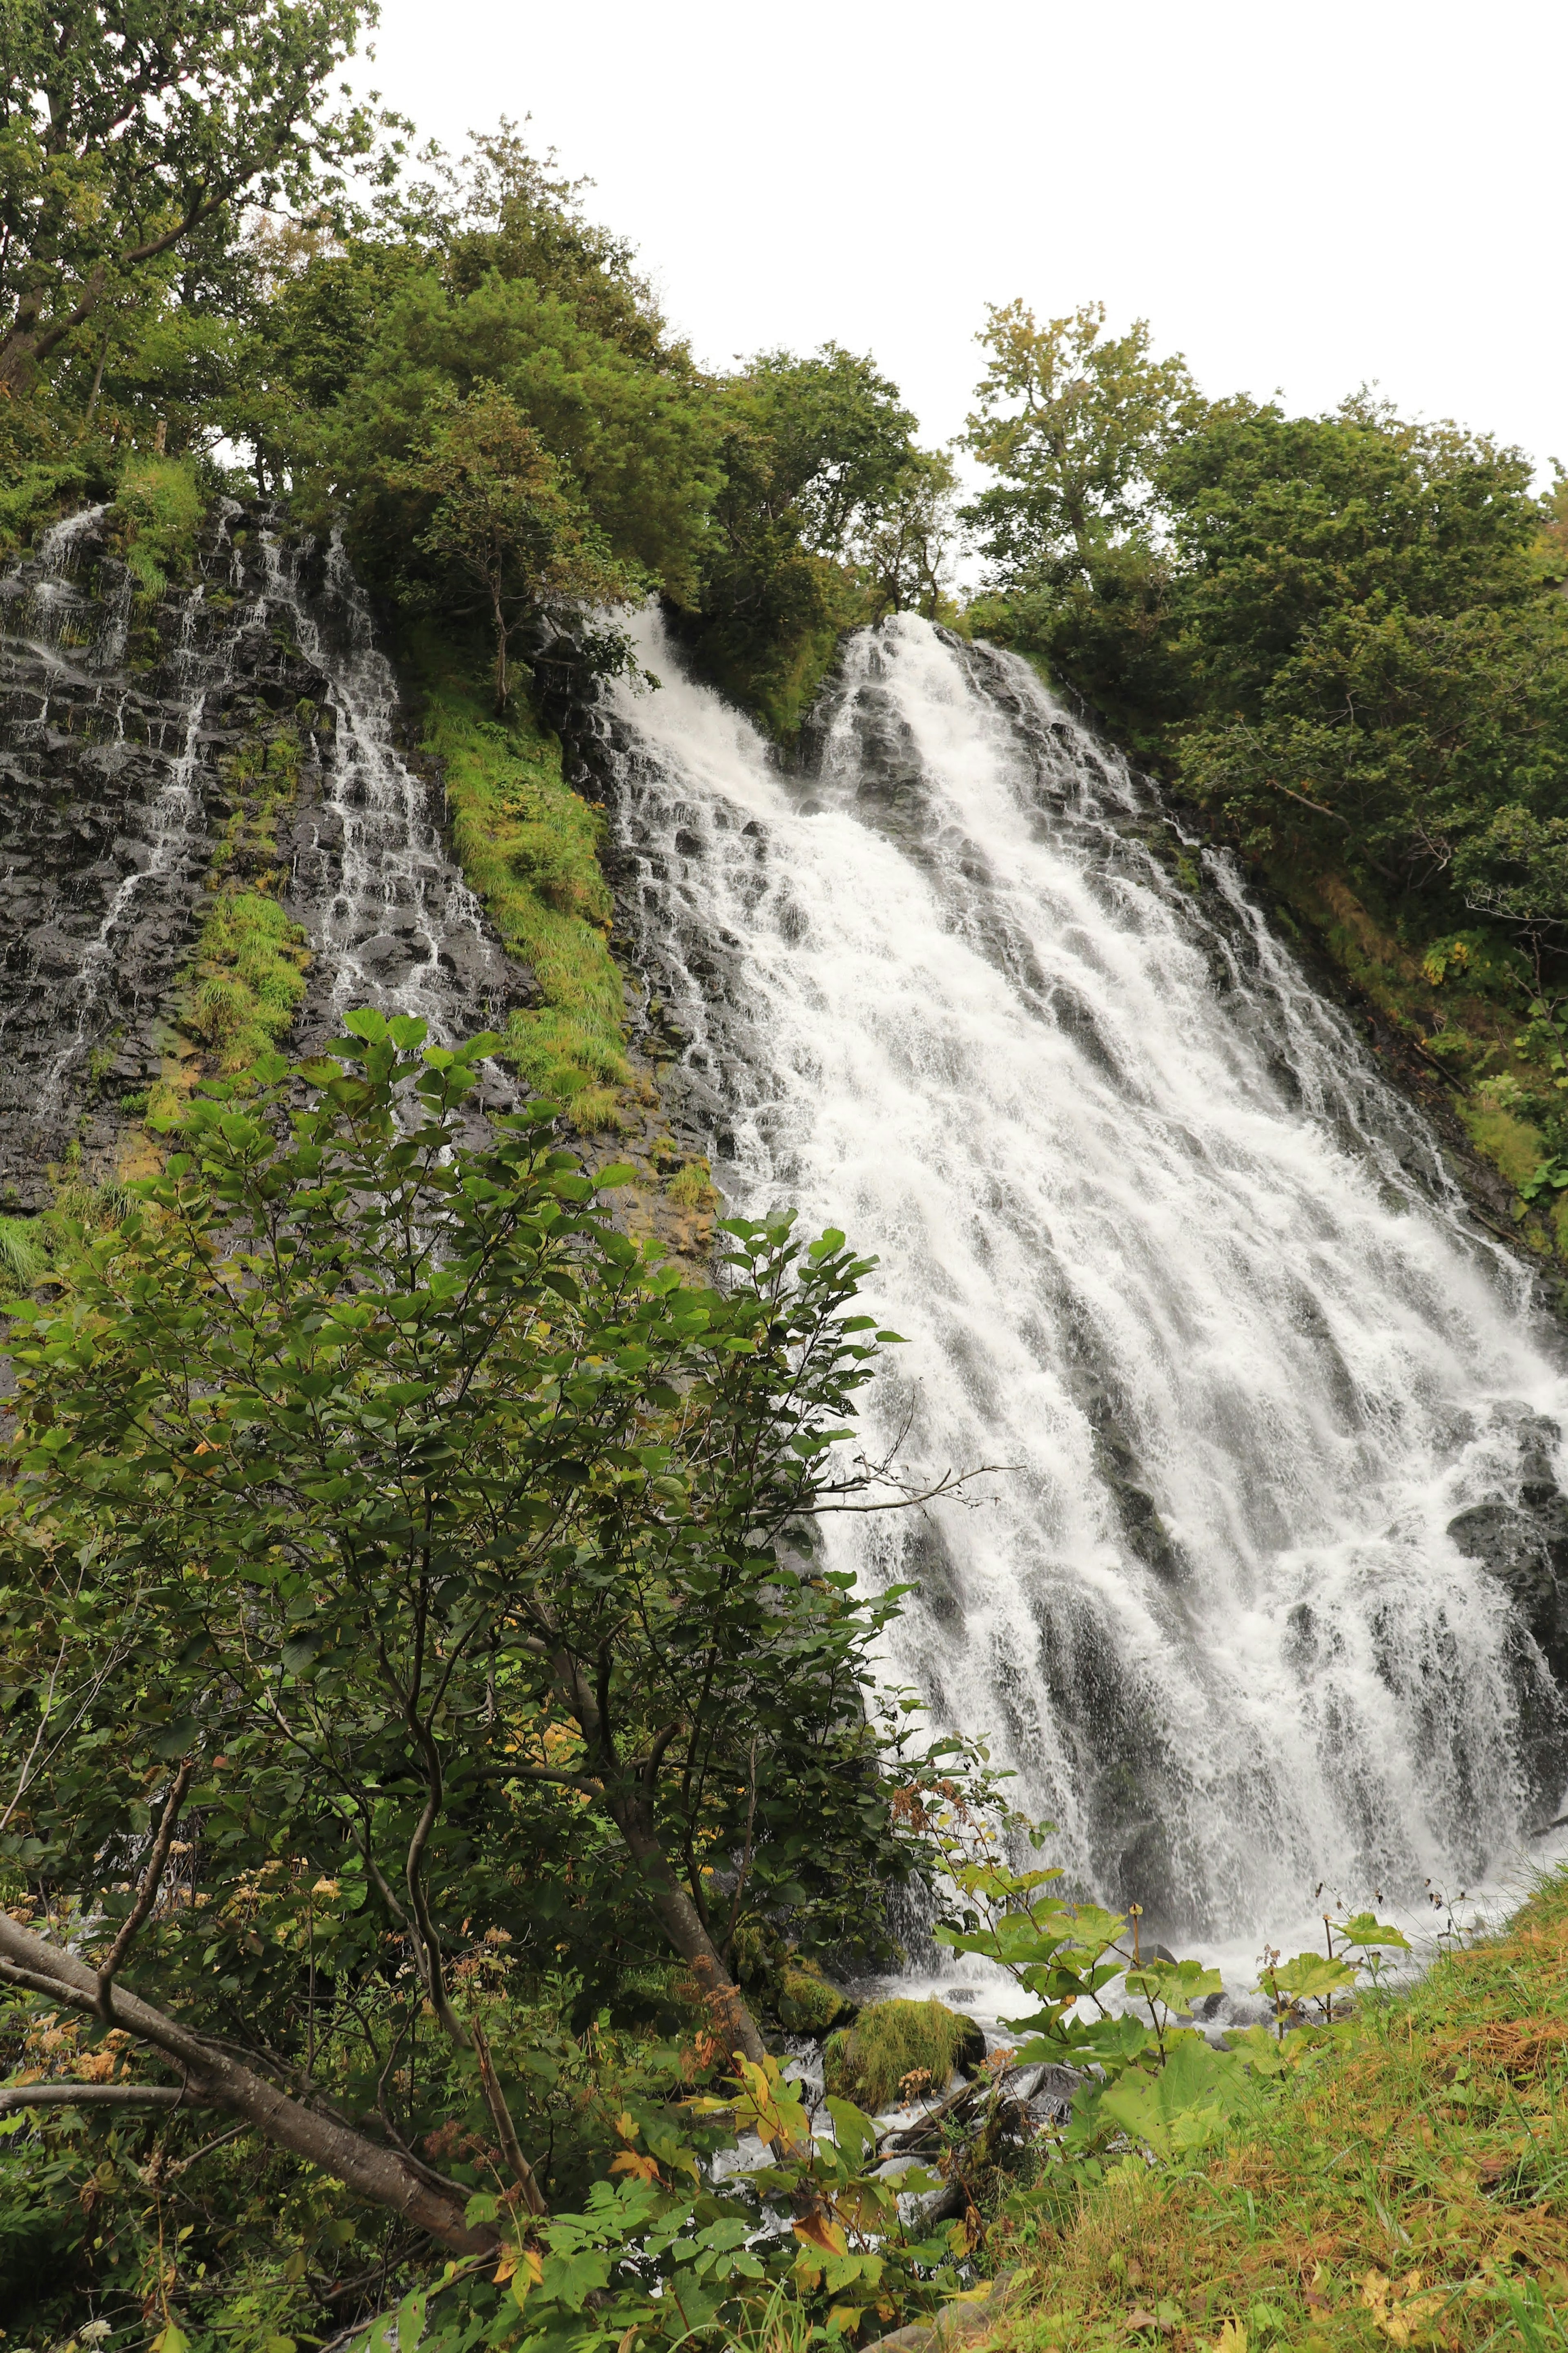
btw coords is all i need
(24, 1253)
(891, 2041)
(529, 847)
(1411, 2188)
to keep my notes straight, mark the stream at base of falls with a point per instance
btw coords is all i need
(1162, 1241)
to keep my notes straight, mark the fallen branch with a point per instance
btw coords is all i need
(13, 2096)
(218, 2080)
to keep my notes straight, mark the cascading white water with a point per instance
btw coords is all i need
(1159, 1237)
(392, 923)
(75, 641)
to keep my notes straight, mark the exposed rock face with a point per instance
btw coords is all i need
(1525, 1546)
(121, 720)
(111, 798)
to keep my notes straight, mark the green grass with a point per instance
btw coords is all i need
(156, 515)
(529, 847)
(24, 1253)
(1411, 2188)
(247, 978)
(889, 2041)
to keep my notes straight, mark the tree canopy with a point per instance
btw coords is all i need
(128, 128)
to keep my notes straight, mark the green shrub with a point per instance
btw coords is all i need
(891, 2040)
(157, 516)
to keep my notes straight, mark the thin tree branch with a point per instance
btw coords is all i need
(148, 1895)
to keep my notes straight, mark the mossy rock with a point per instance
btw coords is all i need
(807, 2003)
(889, 2041)
(1516, 1147)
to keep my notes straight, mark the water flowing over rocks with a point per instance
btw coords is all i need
(1271, 1588)
(1167, 1244)
(117, 714)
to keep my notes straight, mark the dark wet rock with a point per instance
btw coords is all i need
(118, 783)
(1525, 1547)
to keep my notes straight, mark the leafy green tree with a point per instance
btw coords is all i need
(493, 512)
(1363, 631)
(636, 444)
(816, 453)
(507, 211)
(128, 127)
(370, 1486)
(905, 543)
(1075, 423)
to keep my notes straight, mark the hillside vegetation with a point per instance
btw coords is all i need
(439, 1775)
(1343, 640)
(1410, 2188)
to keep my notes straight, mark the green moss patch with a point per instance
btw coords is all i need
(156, 515)
(248, 978)
(806, 2002)
(529, 847)
(1516, 1147)
(897, 2050)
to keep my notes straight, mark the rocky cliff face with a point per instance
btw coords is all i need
(238, 732)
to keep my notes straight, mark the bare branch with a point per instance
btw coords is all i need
(147, 1894)
(13, 2096)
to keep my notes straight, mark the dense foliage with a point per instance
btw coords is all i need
(1343, 630)
(439, 1566)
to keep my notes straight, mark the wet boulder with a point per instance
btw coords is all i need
(1525, 1546)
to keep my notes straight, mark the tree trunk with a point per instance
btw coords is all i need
(217, 2081)
(684, 1929)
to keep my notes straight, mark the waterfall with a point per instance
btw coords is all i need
(114, 788)
(1160, 1240)
(393, 925)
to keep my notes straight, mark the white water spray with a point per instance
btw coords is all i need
(1160, 1236)
(395, 926)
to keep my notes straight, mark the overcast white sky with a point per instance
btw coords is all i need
(1305, 197)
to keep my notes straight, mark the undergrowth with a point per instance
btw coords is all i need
(248, 978)
(529, 849)
(1410, 2188)
(1467, 1002)
(156, 515)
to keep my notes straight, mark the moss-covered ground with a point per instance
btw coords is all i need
(1410, 2188)
(529, 847)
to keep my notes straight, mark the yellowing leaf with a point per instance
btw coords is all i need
(626, 2125)
(630, 2160)
(819, 2229)
(1400, 2310)
(530, 2271)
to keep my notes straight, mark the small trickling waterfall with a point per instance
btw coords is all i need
(1160, 1238)
(113, 794)
(392, 922)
